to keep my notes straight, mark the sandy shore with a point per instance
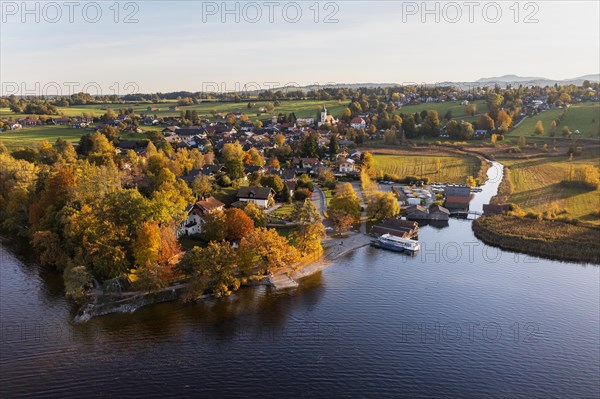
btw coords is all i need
(335, 247)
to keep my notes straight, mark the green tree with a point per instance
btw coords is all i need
(334, 146)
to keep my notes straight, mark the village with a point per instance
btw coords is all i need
(323, 184)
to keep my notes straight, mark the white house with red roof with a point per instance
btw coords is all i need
(196, 214)
(358, 123)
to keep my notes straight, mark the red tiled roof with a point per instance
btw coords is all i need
(209, 204)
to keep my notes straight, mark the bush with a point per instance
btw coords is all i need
(302, 193)
(77, 280)
(224, 181)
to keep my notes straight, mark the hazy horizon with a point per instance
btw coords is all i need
(197, 46)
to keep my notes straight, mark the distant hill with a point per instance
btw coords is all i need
(508, 79)
(536, 81)
(500, 80)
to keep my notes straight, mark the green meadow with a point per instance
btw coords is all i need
(458, 110)
(584, 117)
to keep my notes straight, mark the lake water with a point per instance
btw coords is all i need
(460, 319)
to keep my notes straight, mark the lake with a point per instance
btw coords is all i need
(459, 319)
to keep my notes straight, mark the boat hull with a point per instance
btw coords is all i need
(393, 248)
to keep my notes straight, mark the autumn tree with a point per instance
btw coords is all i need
(202, 186)
(471, 182)
(485, 122)
(305, 212)
(382, 205)
(266, 250)
(254, 157)
(565, 98)
(308, 237)
(367, 160)
(213, 268)
(346, 200)
(239, 224)
(233, 158)
(504, 121)
(539, 128)
(146, 246)
(215, 227)
(341, 220)
(258, 216)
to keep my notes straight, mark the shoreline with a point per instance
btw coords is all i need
(283, 279)
(541, 238)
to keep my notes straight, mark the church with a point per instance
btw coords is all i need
(325, 118)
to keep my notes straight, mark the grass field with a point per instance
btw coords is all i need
(302, 108)
(536, 185)
(458, 110)
(454, 168)
(583, 117)
(32, 136)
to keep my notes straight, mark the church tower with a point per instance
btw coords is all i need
(323, 114)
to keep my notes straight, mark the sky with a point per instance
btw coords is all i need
(161, 46)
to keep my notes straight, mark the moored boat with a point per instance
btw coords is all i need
(398, 244)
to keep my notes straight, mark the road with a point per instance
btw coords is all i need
(319, 200)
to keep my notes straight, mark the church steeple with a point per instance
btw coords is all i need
(323, 114)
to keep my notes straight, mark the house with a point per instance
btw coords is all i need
(195, 216)
(305, 163)
(260, 196)
(305, 121)
(170, 130)
(416, 212)
(248, 169)
(60, 121)
(397, 227)
(345, 165)
(479, 133)
(291, 186)
(437, 212)
(457, 198)
(358, 123)
(211, 170)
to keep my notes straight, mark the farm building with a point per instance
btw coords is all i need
(457, 198)
(397, 227)
(437, 212)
